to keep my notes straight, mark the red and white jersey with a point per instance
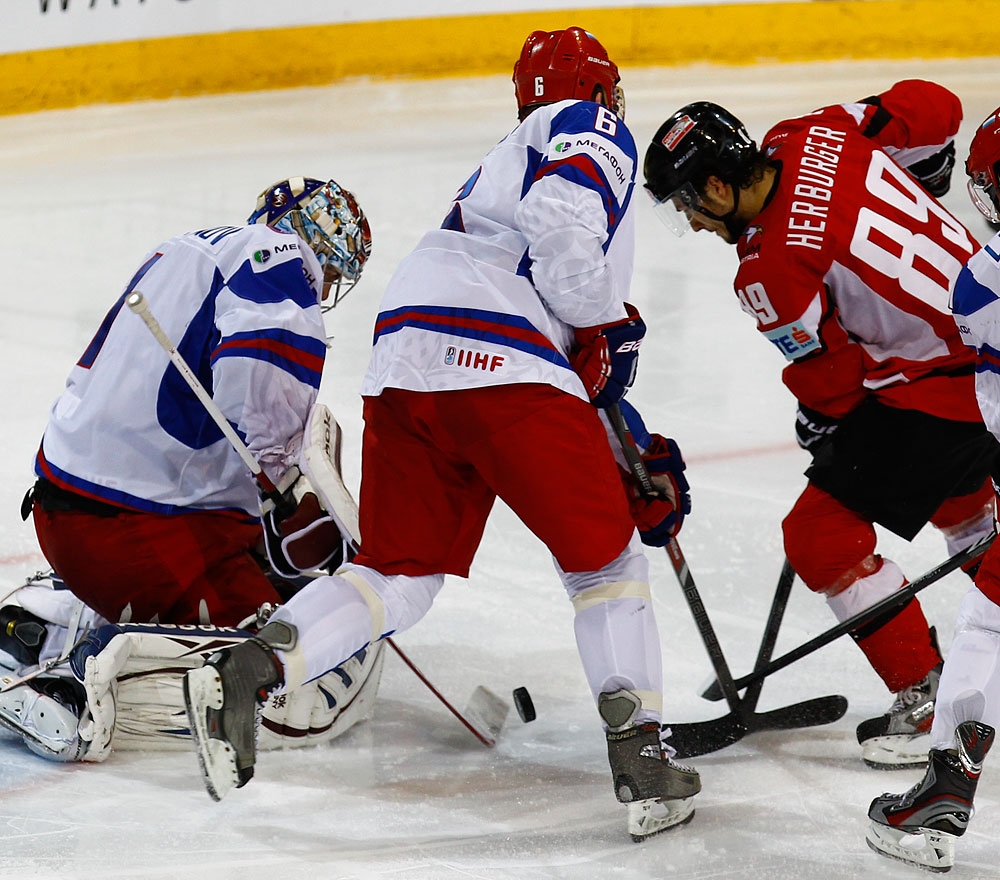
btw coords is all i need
(849, 267)
(539, 240)
(241, 305)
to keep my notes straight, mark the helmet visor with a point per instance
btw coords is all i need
(677, 210)
(984, 196)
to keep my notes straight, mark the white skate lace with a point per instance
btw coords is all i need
(669, 753)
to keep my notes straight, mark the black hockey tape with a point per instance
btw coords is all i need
(525, 707)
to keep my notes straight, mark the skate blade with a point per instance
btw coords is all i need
(650, 817)
(927, 849)
(486, 712)
(898, 752)
(202, 695)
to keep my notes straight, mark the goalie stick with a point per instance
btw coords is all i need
(485, 712)
(702, 737)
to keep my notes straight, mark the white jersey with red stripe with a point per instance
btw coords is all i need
(539, 240)
(241, 305)
(849, 267)
(976, 305)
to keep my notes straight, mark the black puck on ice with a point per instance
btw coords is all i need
(522, 702)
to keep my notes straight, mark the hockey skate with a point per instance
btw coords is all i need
(920, 827)
(224, 698)
(45, 713)
(659, 792)
(901, 737)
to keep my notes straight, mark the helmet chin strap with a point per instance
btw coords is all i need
(734, 227)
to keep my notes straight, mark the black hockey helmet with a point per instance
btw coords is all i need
(699, 140)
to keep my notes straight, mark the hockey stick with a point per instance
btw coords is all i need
(862, 618)
(699, 738)
(484, 706)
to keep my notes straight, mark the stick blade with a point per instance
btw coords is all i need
(809, 713)
(701, 737)
(486, 712)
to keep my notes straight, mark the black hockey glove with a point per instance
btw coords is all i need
(812, 428)
(934, 172)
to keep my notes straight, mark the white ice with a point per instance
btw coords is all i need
(411, 795)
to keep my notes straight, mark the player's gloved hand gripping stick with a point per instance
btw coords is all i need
(485, 713)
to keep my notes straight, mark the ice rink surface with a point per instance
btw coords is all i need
(411, 795)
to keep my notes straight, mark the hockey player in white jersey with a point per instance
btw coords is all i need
(939, 807)
(143, 508)
(498, 341)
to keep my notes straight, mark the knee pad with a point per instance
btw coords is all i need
(630, 565)
(824, 540)
(396, 601)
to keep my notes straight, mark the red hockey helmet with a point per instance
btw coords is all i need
(559, 65)
(981, 166)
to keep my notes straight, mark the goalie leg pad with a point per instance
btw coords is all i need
(322, 710)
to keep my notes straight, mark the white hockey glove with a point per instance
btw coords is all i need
(323, 522)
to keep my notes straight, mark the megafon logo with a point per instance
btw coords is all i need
(563, 147)
(261, 256)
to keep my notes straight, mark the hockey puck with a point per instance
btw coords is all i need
(525, 707)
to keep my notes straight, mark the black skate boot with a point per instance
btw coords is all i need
(899, 738)
(938, 808)
(659, 791)
(223, 700)
(22, 634)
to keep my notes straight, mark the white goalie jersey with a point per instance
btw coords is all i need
(241, 305)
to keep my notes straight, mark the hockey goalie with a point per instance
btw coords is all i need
(76, 687)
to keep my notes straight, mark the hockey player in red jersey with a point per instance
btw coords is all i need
(938, 809)
(846, 265)
(498, 341)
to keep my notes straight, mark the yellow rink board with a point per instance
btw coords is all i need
(735, 34)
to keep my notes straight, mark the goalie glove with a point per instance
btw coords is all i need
(658, 518)
(607, 357)
(305, 539)
(322, 529)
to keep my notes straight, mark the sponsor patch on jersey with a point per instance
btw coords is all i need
(472, 359)
(793, 340)
(261, 258)
(680, 128)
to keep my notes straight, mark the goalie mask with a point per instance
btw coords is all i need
(329, 219)
(560, 65)
(981, 166)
